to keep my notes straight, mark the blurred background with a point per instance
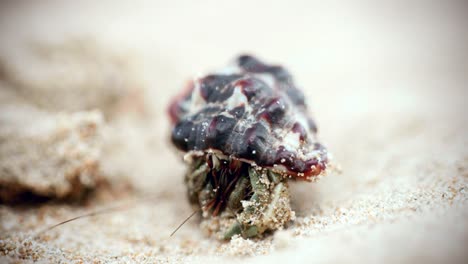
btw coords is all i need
(385, 81)
(327, 45)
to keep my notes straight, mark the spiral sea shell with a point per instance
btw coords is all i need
(253, 112)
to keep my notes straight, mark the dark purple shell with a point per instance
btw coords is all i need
(253, 112)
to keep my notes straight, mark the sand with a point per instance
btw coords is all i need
(387, 85)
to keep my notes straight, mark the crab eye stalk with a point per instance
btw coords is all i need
(245, 132)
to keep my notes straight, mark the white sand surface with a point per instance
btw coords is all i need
(387, 84)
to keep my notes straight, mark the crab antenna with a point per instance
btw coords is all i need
(185, 221)
(98, 212)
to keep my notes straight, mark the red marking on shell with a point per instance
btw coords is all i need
(274, 110)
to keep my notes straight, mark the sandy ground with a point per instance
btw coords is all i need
(386, 83)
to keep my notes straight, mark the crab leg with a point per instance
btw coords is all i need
(255, 207)
(265, 209)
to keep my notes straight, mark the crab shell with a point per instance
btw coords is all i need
(252, 112)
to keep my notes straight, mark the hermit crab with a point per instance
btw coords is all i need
(245, 131)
